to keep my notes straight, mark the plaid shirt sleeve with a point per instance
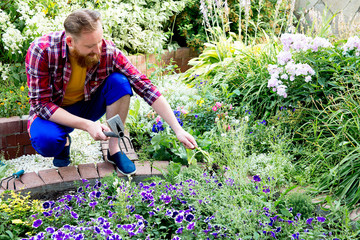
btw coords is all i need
(40, 89)
(139, 82)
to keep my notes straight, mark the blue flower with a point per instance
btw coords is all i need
(321, 219)
(295, 235)
(50, 230)
(46, 205)
(179, 230)
(179, 218)
(158, 127)
(37, 223)
(256, 178)
(180, 121)
(191, 226)
(309, 221)
(74, 215)
(177, 113)
(189, 217)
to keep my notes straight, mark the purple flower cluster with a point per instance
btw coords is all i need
(157, 209)
(300, 42)
(286, 70)
(352, 44)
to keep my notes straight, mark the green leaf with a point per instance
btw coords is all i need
(285, 212)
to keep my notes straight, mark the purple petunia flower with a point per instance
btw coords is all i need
(309, 221)
(50, 230)
(190, 226)
(46, 205)
(189, 217)
(37, 223)
(179, 218)
(97, 229)
(93, 204)
(256, 178)
(179, 230)
(110, 214)
(176, 238)
(74, 215)
(295, 235)
(321, 219)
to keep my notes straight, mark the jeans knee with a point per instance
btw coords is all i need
(48, 146)
(118, 78)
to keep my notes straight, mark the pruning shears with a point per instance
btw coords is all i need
(13, 176)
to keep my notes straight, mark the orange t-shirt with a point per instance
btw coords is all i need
(75, 89)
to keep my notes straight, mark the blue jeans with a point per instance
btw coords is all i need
(49, 138)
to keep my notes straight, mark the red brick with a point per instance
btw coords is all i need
(2, 142)
(23, 138)
(132, 156)
(10, 125)
(12, 152)
(24, 125)
(32, 180)
(28, 149)
(168, 55)
(9, 183)
(193, 53)
(105, 169)
(11, 140)
(88, 171)
(182, 52)
(143, 168)
(160, 165)
(50, 176)
(69, 174)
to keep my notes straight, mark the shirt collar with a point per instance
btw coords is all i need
(63, 45)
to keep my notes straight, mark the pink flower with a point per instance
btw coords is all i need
(184, 111)
(214, 108)
(230, 107)
(218, 104)
(158, 118)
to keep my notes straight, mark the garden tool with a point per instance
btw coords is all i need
(117, 128)
(13, 176)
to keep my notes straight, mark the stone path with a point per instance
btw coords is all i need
(63, 178)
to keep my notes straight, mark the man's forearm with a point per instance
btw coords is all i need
(65, 118)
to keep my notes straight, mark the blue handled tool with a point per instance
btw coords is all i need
(13, 176)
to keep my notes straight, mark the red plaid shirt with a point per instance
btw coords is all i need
(48, 72)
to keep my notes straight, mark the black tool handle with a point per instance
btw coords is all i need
(111, 134)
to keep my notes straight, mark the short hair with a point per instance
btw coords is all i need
(82, 20)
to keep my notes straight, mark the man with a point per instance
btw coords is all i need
(75, 77)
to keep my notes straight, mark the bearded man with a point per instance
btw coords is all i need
(74, 78)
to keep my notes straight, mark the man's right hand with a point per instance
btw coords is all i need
(96, 131)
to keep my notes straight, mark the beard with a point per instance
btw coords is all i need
(85, 61)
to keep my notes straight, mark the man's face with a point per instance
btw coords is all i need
(86, 48)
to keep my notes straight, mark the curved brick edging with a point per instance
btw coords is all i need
(55, 180)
